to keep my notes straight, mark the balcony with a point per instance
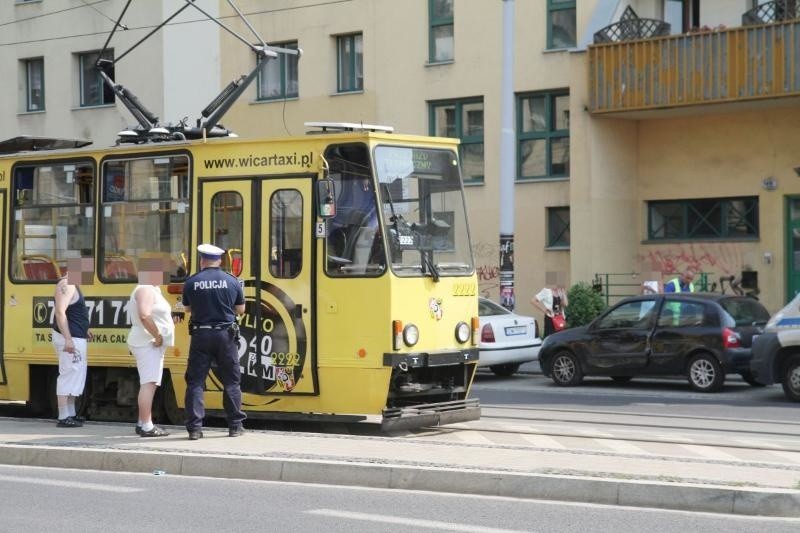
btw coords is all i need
(717, 66)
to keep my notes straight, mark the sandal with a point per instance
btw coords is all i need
(69, 422)
(155, 432)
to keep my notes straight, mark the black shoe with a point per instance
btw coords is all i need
(236, 432)
(69, 422)
(195, 435)
(139, 430)
(156, 432)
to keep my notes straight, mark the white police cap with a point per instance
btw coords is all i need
(210, 251)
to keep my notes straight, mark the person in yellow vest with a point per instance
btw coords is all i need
(682, 283)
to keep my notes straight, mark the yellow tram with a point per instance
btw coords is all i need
(351, 243)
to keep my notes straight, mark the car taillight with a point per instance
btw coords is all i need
(487, 334)
(730, 339)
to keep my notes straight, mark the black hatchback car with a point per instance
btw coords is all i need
(702, 336)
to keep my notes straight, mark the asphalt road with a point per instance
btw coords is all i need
(42, 499)
(641, 395)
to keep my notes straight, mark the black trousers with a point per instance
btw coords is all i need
(218, 346)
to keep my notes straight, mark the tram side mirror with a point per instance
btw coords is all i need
(326, 198)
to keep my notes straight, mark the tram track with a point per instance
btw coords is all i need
(659, 428)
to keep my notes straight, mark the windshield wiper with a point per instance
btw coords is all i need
(429, 264)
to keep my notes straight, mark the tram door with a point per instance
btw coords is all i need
(3, 378)
(265, 226)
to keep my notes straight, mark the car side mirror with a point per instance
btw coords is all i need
(326, 198)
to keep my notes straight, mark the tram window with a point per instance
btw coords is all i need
(286, 233)
(354, 246)
(144, 213)
(53, 218)
(227, 227)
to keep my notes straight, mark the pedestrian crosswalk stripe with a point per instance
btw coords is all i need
(709, 452)
(789, 456)
(543, 441)
(473, 437)
(622, 446)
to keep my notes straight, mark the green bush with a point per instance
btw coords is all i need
(584, 304)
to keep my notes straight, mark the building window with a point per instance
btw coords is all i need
(706, 218)
(440, 37)
(561, 29)
(92, 89)
(34, 74)
(543, 135)
(277, 77)
(462, 119)
(558, 227)
(350, 63)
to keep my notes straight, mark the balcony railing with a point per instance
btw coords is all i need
(631, 28)
(729, 65)
(769, 12)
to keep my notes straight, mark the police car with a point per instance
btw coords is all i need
(776, 352)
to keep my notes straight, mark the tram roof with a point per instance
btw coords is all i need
(32, 146)
(28, 143)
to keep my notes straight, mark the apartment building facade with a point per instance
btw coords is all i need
(650, 135)
(51, 88)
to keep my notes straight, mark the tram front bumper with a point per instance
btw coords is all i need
(430, 388)
(432, 414)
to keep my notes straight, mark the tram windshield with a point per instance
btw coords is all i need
(424, 218)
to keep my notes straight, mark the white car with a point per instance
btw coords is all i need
(507, 339)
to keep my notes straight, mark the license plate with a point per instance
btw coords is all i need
(516, 330)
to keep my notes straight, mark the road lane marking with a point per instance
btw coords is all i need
(708, 452)
(69, 484)
(543, 441)
(414, 522)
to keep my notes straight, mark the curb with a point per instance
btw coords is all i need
(633, 493)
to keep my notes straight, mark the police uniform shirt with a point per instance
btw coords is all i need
(212, 294)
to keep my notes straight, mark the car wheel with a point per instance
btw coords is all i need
(505, 370)
(748, 377)
(621, 379)
(705, 373)
(791, 378)
(566, 369)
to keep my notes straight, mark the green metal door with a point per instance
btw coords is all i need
(792, 246)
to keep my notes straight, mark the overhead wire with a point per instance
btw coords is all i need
(135, 28)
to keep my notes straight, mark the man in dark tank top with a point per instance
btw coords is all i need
(70, 339)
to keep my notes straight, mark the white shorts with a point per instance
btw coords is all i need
(149, 362)
(71, 367)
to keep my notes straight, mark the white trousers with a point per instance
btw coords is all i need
(71, 366)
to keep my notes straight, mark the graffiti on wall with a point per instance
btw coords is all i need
(724, 258)
(487, 267)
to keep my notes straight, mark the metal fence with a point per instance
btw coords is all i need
(615, 286)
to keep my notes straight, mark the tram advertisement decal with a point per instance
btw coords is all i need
(273, 346)
(109, 322)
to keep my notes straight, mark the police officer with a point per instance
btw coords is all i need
(214, 298)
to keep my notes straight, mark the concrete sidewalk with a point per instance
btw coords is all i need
(759, 486)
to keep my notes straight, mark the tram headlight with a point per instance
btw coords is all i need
(410, 335)
(462, 332)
